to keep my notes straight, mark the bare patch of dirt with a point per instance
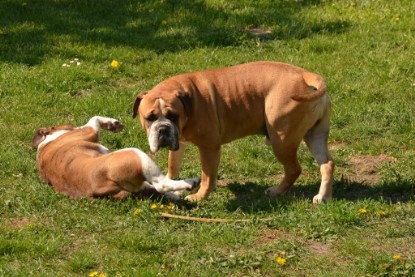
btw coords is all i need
(400, 246)
(337, 145)
(223, 182)
(271, 235)
(366, 168)
(18, 223)
(315, 247)
(319, 248)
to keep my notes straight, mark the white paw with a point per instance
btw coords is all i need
(193, 183)
(172, 196)
(179, 193)
(320, 199)
(106, 123)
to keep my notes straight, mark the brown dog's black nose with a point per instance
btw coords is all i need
(164, 137)
(164, 132)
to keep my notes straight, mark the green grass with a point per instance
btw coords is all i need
(364, 49)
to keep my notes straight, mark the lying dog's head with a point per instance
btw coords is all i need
(42, 133)
(163, 115)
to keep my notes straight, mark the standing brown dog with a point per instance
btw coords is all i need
(209, 108)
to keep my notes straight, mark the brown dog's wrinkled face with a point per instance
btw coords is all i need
(163, 116)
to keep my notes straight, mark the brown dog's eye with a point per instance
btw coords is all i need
(172, 117)
(151, 118)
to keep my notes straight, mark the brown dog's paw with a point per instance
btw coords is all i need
(194, 197)
(318, 199)
(274, 191)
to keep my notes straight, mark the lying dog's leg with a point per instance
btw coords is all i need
(106, 123)
(161, 182)
(316, 140)
(148, 190)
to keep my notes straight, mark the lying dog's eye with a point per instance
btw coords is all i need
(151, 118)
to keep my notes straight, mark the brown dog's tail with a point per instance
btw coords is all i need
(316, 87)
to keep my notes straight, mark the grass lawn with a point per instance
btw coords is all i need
(55, 67)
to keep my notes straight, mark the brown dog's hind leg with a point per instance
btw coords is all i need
(316, 140)
(286, 153)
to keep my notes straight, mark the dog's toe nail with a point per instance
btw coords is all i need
(192, 198)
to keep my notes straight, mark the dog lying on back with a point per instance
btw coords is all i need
(72, 161)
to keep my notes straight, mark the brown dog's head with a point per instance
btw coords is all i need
(42, 133)
(163, 114)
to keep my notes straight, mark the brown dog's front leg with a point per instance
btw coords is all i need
(210, 158)
(175, 161)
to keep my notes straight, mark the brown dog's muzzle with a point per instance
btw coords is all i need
(167, 138)
(163, 135)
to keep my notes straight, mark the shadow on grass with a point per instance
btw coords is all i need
(249, 197)
(38, 29)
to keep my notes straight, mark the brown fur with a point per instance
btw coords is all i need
(74, 165)
(285, 103)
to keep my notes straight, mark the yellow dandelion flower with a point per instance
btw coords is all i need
(115, 64)
(381, 213)
(396, 257)
(153, 206)
(137, 212)
(93, 274)
(280, 260)
(362, 211)
(102, 275)
(170, 206)
(164, 22)
(397, 19)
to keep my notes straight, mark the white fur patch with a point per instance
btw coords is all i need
(96, 121)
(103, 150)
(162, 104)
(52, 137)
(154, 176)
(150, 170)
(153, 134)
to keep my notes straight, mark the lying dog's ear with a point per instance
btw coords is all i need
(39, 136)
(137, 103)
(186, 100)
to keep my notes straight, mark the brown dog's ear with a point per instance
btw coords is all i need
(137, 103)
(186, 100)
(39, 136)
